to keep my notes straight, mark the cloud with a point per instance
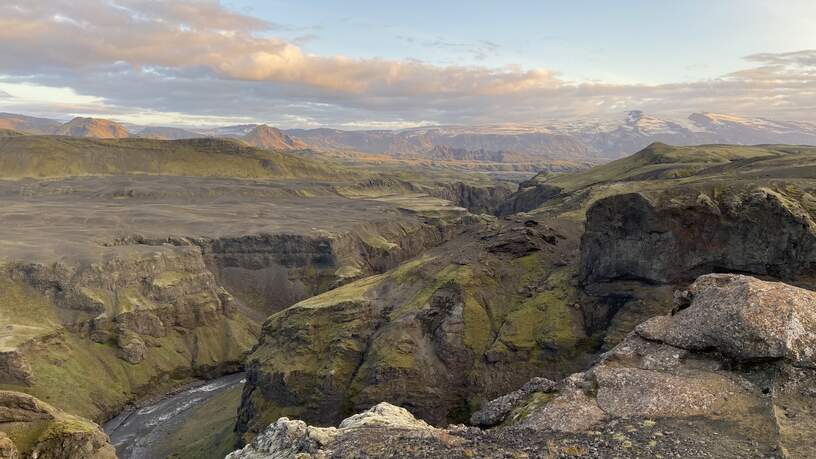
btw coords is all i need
(81, 34)
(175, 57)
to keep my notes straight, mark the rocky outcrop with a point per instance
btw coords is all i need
(436, 334)
(779, 324)
(496, 411)
(126, 299)
(677, 387)
(13, 368)
(530, 195)
(270, 272)
(291, 438)
(739, 354)
(673, 237)
(476, 199)
(139, 319)
(32, 428)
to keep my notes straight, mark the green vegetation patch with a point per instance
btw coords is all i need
(208, 432)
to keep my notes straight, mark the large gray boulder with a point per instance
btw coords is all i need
(744, 318)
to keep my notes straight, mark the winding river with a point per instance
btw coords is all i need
(136, 432)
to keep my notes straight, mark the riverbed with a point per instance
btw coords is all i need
(146, 432)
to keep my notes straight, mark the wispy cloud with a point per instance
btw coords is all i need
(199, 58)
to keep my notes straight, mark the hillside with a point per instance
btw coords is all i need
(92, 127)
(28, 124)
(659, 167)
(48, 156)
(546, 293)
(267, 137)
(10, 133)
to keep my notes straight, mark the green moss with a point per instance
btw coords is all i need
(536, 401)
(25, 435)
(355, 291)
(378, 242)
(430, 283)
(67, 369)
(478, 327)
(546, 319)
(47, 156)
(169, 278)
(24, 314)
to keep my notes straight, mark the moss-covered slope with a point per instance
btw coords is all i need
(55, 156)
(662, 167)
(90, 338)
(470, 319)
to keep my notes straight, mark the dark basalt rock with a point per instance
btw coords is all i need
(674, 237)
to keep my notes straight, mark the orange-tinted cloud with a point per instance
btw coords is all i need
(197, 57)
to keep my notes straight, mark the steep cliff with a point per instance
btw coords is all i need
(730, 375)
(30, 428)
(674, 236)
(470, 319)
(139, 320)
(477, 199)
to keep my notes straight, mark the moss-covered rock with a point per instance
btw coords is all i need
(141, 322)
(466, 321)
(32, 428)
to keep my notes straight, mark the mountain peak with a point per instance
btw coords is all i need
(268, 137)
(93, 127)
(634, 116)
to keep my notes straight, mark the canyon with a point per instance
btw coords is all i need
(466, 313)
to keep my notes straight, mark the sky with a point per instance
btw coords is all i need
(375, 64)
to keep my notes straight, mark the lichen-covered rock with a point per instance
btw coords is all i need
(744, 318)
(495, 411)
(624, 392)
(574, 409)
(131, 347)
(32, 428)
(290, 439)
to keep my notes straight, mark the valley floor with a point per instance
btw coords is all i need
(157, 430)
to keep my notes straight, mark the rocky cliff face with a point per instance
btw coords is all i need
(528, 197)
(268, 272)
(139, 319)
(672, 237)
(473, 318)
(32, 428)
(731, 374)
(476, 199)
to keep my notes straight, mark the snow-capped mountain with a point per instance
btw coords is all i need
(559, 140)
(586, 139)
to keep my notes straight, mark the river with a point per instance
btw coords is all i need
(137, 433)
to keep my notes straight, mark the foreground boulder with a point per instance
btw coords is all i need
(720, 378)
(744, 318)
(32, 428)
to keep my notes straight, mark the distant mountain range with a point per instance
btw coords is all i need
(583, 140)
